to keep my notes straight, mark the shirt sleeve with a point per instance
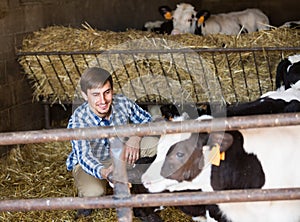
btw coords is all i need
(137, 114)
(86, 159)
(83, 152)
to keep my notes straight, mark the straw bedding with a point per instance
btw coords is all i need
(38, 171)
(46, 84)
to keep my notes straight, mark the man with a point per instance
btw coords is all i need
(90, 160)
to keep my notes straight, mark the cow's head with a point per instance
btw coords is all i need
(183, 159)
(152, 179)
(184, 19)
(187, 158)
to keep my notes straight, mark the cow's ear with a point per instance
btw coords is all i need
(206, 14)
(202, 16)
(225, 140)
(166, 12)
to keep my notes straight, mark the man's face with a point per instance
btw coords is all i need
(100, 100)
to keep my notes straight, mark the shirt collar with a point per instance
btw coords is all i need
(98, 119)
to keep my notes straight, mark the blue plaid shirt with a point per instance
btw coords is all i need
(90, 153)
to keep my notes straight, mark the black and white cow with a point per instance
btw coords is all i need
(281, 101)
(254, 158)
(291, 25)
(183, 17)
(285, 99)
(288, 72)
(197, 212)
(161, 27)
(185, 20)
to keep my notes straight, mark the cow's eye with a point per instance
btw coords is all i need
(179, 154)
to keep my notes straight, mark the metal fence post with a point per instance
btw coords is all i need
(121, 188)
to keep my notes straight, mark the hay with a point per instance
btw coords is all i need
(39, 171)
(36, 171)
(55, 77)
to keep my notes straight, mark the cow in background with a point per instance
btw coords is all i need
(217, 24)
(161, 27)
(184, 19)
(285, 99)
(288, 72)
(252, 19)
(291, 25)
(187, 20)
(246, 21)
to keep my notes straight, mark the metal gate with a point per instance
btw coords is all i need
(122, 199)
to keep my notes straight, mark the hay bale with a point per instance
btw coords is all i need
(55, 77)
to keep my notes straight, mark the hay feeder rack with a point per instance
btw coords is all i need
(150, 76)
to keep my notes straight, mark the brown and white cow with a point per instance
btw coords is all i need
(254, 158)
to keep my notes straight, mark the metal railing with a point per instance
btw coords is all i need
(241, 73)
(197, 75)
(124, 201)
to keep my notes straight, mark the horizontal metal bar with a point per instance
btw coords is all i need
(182, 50)
(153, 128)
(153, 199)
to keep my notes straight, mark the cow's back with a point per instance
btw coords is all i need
(278, 149)
(252, 19)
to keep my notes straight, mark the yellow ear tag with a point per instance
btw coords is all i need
(201, 20)
(168, 16)
(215, 156)
(222, 156)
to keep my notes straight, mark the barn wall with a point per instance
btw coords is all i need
(118, 15)
(20, 17)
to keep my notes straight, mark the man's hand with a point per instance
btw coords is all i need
(106, 171)
(132, 149)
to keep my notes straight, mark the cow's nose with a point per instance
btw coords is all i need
(175, 32)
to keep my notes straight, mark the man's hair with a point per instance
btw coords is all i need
(94, 77)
